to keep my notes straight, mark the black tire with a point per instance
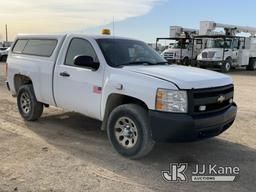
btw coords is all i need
(4, 58)
(30, 109)
(186, 61)
(226, 66)
(139, 116)
(194, 63)
(252, 65)
(202, 66)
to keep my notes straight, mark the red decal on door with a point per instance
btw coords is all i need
(97, 90)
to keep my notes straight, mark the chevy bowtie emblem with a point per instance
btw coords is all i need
(221, 99)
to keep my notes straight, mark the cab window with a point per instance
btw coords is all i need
(79, 47)
(35, 47)
(236, 44)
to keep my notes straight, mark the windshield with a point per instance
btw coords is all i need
(118, 52)
(180, 46)
(219, 43)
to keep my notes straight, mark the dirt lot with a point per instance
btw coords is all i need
(68, 152)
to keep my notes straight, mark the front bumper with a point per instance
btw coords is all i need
(210, 64)
(172, 61)
(168, 127)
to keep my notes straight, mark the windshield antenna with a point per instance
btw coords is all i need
(114, 43)
(113, 26)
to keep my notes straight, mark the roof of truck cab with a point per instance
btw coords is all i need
(49, 36)
(40, 35)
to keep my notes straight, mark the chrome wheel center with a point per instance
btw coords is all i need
(128, 132)
(228, 66)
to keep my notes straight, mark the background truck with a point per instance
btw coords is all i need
(124, 83)
(4, 53)
(228, 50)
(182, 48)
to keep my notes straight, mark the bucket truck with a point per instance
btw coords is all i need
(181, 49)
(227, 50)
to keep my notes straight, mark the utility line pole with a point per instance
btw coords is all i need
(6, 33)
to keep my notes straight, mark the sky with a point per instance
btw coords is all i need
(140, 19)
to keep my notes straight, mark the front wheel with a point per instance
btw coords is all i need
(4, 58)
(226, 66)
(129, 131)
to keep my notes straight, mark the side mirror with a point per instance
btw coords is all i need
(87, 62)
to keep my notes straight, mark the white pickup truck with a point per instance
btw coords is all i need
(122, 82)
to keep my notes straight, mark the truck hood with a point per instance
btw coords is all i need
(213, 50)
(183, 77)
(172, 50)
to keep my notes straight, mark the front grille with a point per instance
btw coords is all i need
(205, 55)
(209, 54)
(169, 55)
(213, 99)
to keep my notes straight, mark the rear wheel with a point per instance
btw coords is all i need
(4, 58)
(226, 66)
(29, 108)
(252, 65)
(186, 61)
(129, 131)
(194, 63)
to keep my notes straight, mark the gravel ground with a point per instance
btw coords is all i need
(67, 152)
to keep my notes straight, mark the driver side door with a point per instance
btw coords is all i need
(235, 49)
(78, 88)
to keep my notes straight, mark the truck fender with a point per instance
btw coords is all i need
(114, 100)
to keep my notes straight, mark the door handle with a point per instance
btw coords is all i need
(64, 74)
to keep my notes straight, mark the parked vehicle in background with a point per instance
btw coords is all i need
(4, 53)
(229, 50)
(122, 82)
(182, 48)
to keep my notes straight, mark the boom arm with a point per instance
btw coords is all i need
(180, 32)
(208, 27)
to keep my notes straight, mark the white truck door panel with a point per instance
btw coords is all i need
(235, 50)
(77, 88)
(235, 54)
(243, 57)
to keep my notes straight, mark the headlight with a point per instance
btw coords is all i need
(172, 101)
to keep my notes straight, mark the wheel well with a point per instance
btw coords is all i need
(115, 100)
(252, 59)
(3, 57)
(20, 80)
(229, 57)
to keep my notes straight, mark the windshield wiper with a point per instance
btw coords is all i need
(142, 63)
(161, 63)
